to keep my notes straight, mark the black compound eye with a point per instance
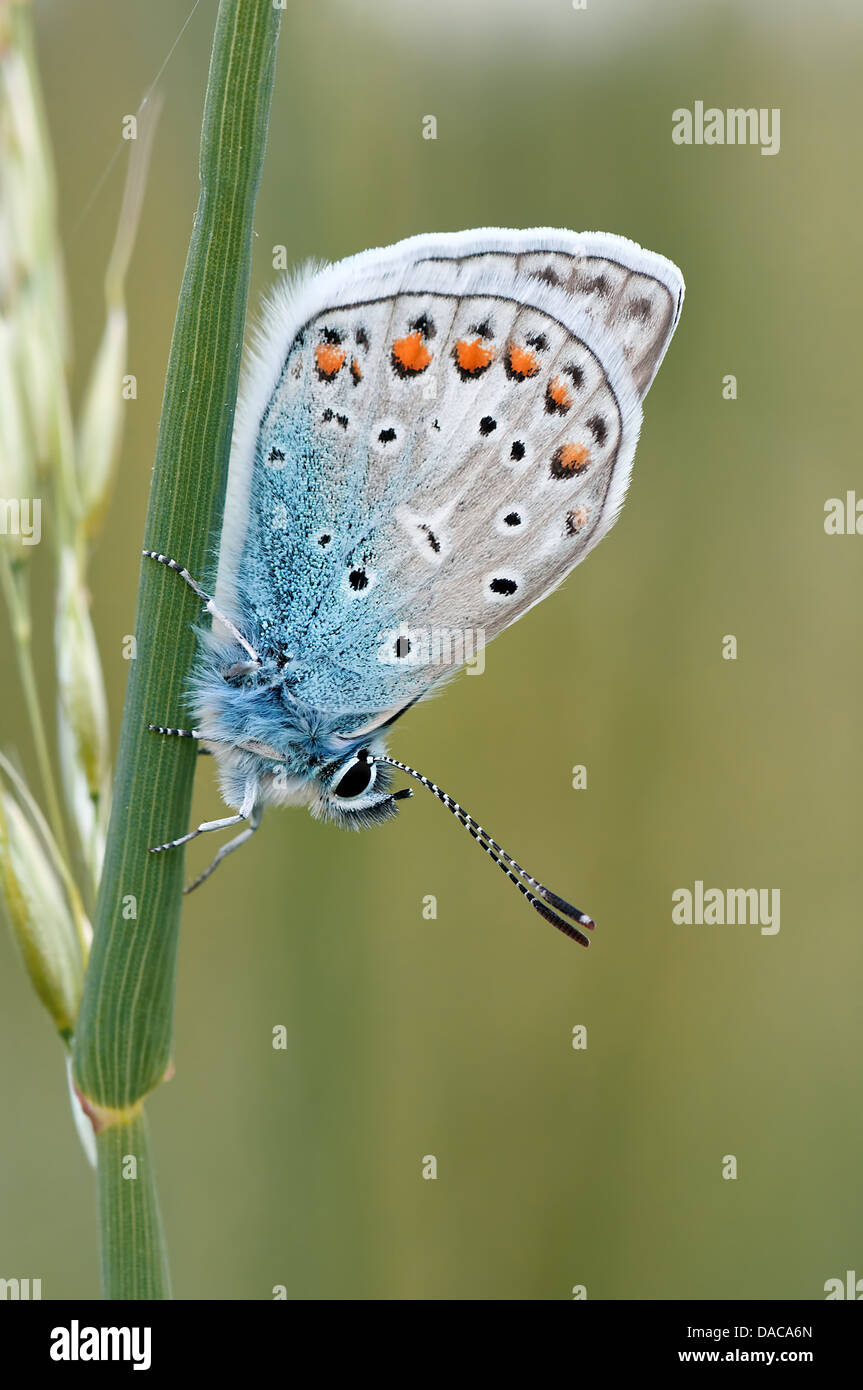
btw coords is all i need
(356, 780)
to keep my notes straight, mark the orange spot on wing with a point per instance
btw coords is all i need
(558, 394)
(472, 355)
(329, 358)
(569, 459)
(410, 353)
(576, 519)
(522, 361)
(356, 370)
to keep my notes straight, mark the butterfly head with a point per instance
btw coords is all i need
(355, 791)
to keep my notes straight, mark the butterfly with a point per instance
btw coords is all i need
(429, 437)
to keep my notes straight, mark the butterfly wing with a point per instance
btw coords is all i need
(433, 436)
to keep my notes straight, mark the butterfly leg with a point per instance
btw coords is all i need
(174, 733)
(181, 733)
(238, 840)
(203, 829)
(208, 602)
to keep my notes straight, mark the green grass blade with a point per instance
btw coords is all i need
(124, 1035)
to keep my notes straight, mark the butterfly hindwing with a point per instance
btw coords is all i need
(442, 439)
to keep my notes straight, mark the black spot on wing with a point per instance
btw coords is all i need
(424, 325)
(329, 415)
(598, 428)
(432, 538)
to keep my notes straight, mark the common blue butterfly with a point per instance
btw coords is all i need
(429, 437)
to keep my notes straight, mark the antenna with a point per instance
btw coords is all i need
(546, 903)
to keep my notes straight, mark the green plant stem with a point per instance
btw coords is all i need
(134, 1261)
(123, 1040)
(14, 580)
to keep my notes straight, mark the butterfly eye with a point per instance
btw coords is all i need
(356, 778)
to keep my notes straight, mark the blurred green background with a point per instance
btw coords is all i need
(453, 1037)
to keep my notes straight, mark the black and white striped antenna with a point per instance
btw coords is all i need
(549, 906)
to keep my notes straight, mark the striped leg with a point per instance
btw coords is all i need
(181, 733)
(238, 840)
(174, 733)
(203, 829)
(206, 600)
